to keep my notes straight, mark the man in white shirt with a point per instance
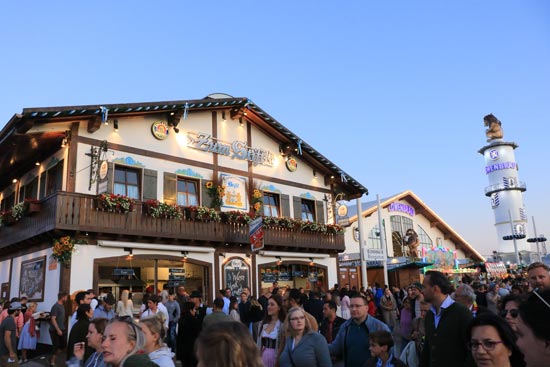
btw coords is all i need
(156, 307)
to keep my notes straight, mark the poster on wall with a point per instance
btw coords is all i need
(236, 276)
(31, 282)
(235, 192)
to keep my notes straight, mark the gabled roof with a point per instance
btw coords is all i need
(13, 134)
(421, 208)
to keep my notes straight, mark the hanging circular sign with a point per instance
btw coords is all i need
(103, 169)
(493, 154)
(292, 164)
(342, 210)
(160, 130)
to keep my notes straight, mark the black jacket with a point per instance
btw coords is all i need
(323, 328)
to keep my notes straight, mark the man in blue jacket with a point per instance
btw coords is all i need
(352, 341)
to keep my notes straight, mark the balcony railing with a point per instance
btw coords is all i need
(489, 190)
(78, 212)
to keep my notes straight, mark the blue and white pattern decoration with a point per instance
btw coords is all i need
(186, 111)
(493, 154)
(271, 188)
(307, 195)
(343, 177)
(522, 214)
(299, 146)
(495, 200)
(104, 113)
(188, 172)
(129, 161)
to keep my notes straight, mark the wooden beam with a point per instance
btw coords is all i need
(93, 124)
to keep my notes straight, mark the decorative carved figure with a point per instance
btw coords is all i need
(494, 129)
(411, 240)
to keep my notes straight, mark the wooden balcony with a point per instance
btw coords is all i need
(72, 212)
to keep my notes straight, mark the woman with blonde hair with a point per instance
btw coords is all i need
(155, 333)
(123, 342)
(303, 346)
(227, 344)
(125, 307)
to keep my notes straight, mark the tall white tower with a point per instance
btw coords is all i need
(505, 189)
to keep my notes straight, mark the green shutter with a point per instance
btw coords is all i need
(170, 187)
(149, 184)
(297, 207)
(285, 206)
(319, 211)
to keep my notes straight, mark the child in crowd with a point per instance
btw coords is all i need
(381, 343)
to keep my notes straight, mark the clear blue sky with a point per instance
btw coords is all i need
(394, 92)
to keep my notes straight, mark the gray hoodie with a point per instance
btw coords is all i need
(163, 357)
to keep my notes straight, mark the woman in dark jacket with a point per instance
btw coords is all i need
(303, 346)
(189, 330)
(79, 330)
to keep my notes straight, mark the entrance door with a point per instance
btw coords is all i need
(349, 277)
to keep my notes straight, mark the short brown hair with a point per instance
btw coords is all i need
(381, 338)
(537, 264)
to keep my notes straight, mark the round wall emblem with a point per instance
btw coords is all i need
(342, 210)
(160, 130)
(103, 168)
(493, 154)
(292, 164)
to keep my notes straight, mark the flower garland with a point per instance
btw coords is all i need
(64, 247)
(257, 201)
(216, 193)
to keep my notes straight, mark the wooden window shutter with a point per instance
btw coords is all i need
(319, 211)
(170, 186)
(285, 205)
(205, 199)
(110, 177)
(297, 207)
(149, 184)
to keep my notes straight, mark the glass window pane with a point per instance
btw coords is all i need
(132, 177)
(133, 192)
(120, 189)
(119, 175)
(182, 199)
(191, 187)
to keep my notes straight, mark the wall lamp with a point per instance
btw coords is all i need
(279, 260)
(315, 173)
(14, 180)
(130, 252)
(224, 119)
(311, 261)
(184, 253)
(241, 121)
(115, 124)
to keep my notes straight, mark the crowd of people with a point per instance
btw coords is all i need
(439, 322)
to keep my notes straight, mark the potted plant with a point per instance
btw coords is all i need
(257, 201)
(32, 206)
(115, 203)
(6, 218)
(63, 249)
(156, 209)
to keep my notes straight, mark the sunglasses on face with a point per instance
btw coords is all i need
(513, 312)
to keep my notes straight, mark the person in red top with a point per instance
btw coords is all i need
(372, 306)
